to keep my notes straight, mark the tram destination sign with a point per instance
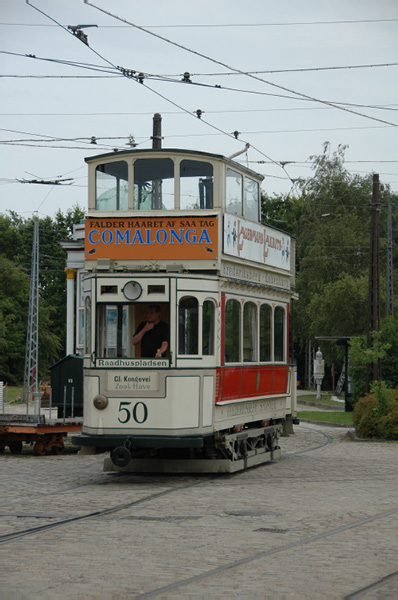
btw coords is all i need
(146, 238)
(255, 242)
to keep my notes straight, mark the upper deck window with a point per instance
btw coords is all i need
(234, 189)
(154, 184)
(196, 185)
(111, 186)
(251, 201)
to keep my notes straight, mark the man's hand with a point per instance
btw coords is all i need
(148, 326)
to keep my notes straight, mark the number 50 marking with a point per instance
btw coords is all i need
(138, 414)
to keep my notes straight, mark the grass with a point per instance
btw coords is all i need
(339, 418)
(11, 392)
(325, 399)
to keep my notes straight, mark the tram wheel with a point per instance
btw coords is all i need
(15, 447)
(40, 448)
(58, 449)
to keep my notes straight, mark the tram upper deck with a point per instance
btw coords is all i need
(182, 211)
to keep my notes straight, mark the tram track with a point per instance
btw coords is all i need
(13, 536)
(10, 537)
(258, 555)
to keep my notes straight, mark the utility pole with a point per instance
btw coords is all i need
(390, 282)
(374, 371)
(30, 382)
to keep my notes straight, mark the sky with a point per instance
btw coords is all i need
(287, 76)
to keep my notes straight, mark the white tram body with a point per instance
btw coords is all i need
(182, 230)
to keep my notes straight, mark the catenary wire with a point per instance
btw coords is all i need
(200, 54)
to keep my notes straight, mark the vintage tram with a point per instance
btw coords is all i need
(180, 231)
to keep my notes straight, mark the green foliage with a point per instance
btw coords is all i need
(336, 417)
(377, 417)
(361, 357)
(364, 417)
(329, 214)
(389, 337)
(379, 390)
(16, 237)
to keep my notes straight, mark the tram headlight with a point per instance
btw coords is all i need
(100, 402)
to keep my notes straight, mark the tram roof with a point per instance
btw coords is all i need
(175, 151)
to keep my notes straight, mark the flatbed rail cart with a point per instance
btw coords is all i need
(45, 434)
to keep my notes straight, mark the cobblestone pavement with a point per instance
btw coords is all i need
(322, 522)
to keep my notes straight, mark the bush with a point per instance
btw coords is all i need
(389, 423)
(375, 419)
(365, 420)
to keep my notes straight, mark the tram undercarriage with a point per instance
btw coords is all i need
(225, 452)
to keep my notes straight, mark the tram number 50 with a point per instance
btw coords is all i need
(139, 412)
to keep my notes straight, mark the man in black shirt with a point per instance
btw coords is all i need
(153, 334)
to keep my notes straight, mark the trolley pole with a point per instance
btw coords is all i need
(374, 371)
(157, 131)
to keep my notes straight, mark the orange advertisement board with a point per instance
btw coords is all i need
(146, 238)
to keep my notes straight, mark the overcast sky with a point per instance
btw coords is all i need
(299, 49)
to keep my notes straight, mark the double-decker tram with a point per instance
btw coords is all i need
(187, 294)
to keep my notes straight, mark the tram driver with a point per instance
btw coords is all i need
(153, 334)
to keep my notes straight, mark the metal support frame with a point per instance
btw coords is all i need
(30, 383)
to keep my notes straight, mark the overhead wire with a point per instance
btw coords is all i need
(118, 73)
(200, 54)
(153, 91)
(222, 25)
(218, 62)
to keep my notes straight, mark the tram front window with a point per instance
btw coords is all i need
(196, 185)
(112, 330)
(232, 331)
(111, 186)
(154, 184)
(188, 326)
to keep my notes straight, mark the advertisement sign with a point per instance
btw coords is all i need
(146, 238)
(252, 241)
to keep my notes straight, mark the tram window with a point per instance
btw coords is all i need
(251, 201)
(111, 186)
(249, 332)
(87, 325)
(234, 192)
(208, 328)
(188, 326)
(156, 289)
(108, 289)
(112, 330)
(279, 330)
(154, 184)
(232, 331)
(265, 333)
(196, 185)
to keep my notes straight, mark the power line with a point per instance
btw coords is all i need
(200, 54)
(224, 25)
(141, 76)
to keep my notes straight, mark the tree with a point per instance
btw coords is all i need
(16, 235)
(329, 215)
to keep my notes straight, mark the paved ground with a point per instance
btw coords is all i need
(320, 523)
